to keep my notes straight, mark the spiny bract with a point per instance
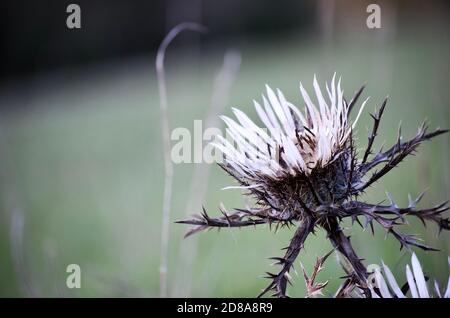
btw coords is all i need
(302, 167)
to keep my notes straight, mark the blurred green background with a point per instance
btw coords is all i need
(82, 170)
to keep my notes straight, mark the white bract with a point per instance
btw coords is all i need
(416, 281)
(291, 141)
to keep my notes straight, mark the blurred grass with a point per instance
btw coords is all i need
(85, 164)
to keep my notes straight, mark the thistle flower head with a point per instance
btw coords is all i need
(301, 158)
(292, 141)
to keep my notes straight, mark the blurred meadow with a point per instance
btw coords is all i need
(82, 166)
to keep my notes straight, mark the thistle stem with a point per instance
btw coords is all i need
(342, 243)
(280, 280)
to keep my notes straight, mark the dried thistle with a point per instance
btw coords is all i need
(304, 169)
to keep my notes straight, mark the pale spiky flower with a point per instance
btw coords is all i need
(303, 168)
(295, 142)
(386, 286)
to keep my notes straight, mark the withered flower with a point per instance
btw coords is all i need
(303, 169)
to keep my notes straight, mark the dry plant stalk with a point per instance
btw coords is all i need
(306, 171)
(168, 168)
(12, 202)
(199, 182)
